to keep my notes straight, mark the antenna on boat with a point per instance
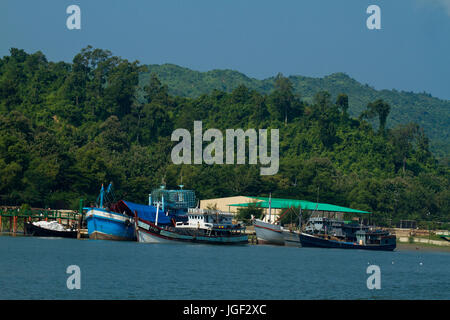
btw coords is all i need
(181, 181)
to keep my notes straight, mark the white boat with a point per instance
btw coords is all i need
(268, 233)
(274, 233)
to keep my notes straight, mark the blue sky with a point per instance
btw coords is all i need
(257, 37)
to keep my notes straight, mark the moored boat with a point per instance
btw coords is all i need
(291, 237)
(171, 216)
(275, 233)
(268, 233)
(384, 242)
(200, 226)
(39, 230)
(272, 233)
(107, 222)
(104, 224)
(330, 233)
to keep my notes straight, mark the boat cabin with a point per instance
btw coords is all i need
(324, 225)
(207, 219)
(334, 227)
(377, 237)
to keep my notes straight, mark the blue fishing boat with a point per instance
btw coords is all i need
(108, 222)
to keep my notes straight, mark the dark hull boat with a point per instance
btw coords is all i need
(171, 217)
(322, 241)
(323, 232)
(33, 230)
(199, 226)
(151, 233)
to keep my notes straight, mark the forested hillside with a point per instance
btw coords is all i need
(430, 113)
(66, 128)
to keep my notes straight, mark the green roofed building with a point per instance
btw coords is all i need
(231, 204)
(277, 203)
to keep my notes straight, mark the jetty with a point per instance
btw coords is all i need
(13, 219)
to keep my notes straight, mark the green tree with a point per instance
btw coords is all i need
(285, 103)
(342, 103)
(378, 108)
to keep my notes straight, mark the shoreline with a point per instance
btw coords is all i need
(402, 246)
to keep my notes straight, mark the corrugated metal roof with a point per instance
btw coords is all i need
(278, 203)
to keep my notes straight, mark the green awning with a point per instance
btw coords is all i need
(278, 203)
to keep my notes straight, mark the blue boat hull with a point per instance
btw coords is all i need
(106, 225)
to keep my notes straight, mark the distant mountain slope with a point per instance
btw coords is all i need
(430, 113)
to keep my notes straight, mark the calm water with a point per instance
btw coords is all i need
(35, 268)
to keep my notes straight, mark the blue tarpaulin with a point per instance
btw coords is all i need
(147, 213)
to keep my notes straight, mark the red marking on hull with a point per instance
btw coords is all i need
(256, 226)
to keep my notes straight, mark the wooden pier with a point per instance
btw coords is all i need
(13, 220)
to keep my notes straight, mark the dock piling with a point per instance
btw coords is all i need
(14, 225)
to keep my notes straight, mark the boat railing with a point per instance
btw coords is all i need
(193, 224)
(208, 211)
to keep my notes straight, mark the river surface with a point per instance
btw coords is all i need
(36, 268)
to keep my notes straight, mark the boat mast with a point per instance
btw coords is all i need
(157, 213)
(300, 218)
(270, 207)
(102, 191)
